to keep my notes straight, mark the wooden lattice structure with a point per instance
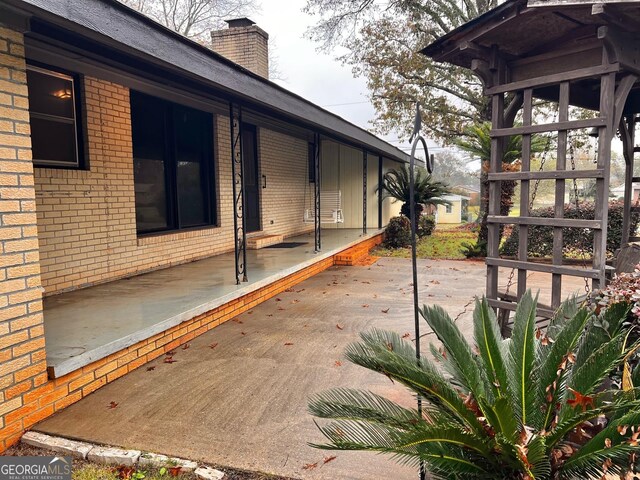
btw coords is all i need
(574, 53)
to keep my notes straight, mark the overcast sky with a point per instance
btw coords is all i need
(315, 76)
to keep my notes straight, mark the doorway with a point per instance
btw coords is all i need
(251, 178)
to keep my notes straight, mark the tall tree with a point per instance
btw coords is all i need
(455, 169)
(193, 18)
(383, 41)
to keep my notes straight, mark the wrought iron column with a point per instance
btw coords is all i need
(364, 191)
(380, 192)
(316, 191)
(237, 173)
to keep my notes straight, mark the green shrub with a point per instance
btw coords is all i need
(537, 406)
(397, 234)
(426, 225)
(575, 239)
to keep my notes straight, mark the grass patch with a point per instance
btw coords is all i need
(442, 244)
(87, 470)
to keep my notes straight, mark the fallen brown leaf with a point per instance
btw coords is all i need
(124, 473)
(385, 310)
(338, 363)
(310, 466)
(339, 327)
(175, 471)
(406, 335)
(329, 459)
(288, 344)
(186, 346)
(171, 353)
(113, 405)
(366, 305)
(243, 333)
(169, 360)
(213, 345)
(150, 369)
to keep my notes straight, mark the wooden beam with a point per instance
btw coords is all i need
(545, 221)
(550, 127)
(540, 311)
(621, 48)
(547, 175)
(545, 80)
(622, 93)
(613, 16)
(545, 268)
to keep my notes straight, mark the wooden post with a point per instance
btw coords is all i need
(561, 165)
(605, 134)
(495, 166)
(523, 232)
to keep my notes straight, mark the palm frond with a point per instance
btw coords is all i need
(550, 377)
(387, 353)
(488, 340)
(608, 444)
(347, 403)
(521, 358)
(458, 350)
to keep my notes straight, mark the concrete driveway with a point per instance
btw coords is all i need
(238, 395)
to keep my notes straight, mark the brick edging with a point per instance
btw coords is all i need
(59, 393)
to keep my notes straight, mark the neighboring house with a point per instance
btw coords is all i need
(471, 191)
(618, 192)
(126, 149)
(455, 211)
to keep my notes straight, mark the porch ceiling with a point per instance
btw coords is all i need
(89, 324)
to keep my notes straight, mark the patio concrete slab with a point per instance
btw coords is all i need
(238, 395)
(89, 324)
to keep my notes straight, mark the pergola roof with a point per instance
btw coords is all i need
(523, 28)
(533, 37)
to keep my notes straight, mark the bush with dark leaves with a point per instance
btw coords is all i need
(576, 240)
(397, 234)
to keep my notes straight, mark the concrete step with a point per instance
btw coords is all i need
(256, 243)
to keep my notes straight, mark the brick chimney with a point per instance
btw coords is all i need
(244, 43)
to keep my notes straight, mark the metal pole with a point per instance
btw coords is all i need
(416, 138)
(316, 193)
(237, 173)
(364, 191)
(380, 192)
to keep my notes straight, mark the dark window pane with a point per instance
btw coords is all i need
(249, 155)
(52, 117)
(148, 133)
(191, 198)
(50, 94)
(173, 153)
(192, 133)
(151, 196)
(53, 141)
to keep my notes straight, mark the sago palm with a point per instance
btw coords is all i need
(535, 406)
(427, 191)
